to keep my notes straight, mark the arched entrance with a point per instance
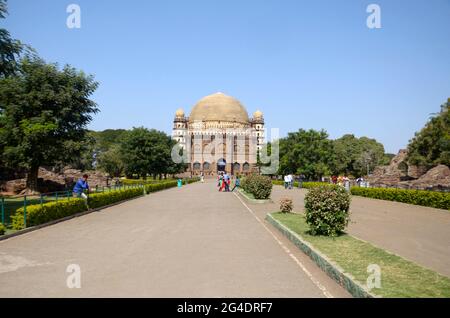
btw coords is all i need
(221, 164)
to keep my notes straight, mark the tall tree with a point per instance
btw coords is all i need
(431, 145)
(111, 162)
(43, 115)
(355, 156)
(147, 152)
(306, 152)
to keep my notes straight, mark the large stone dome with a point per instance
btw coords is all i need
(219, 107)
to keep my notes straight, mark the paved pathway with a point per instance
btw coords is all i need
(417, 233)
(188, 242)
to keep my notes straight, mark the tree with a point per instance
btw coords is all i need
(306, 152)
(147, 152)
(355, 156)
(10, 49)
(431, 146)
(43, 115)
(111, 162)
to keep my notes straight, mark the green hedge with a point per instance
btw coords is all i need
(98, 200)
(149, 188)
(2, 229)
(440, 200)
(142, 181)
(39, 214)
(305, 185)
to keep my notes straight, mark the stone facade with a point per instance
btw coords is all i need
(219, 136)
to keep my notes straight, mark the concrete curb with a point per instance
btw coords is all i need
(256, 201)
(328, 266)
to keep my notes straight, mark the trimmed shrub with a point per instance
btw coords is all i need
(98, 200)
(39, 214)
(286, 205)
(259, 186)
(149, 188)
(327, 210)
(311, 185)
(305, 185)
(2, 229)
(439, 200)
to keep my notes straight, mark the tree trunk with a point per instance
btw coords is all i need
(32, 179)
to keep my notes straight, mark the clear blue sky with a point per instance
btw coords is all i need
(305, 64)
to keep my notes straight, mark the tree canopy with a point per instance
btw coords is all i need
(43, 115)
(306, 152)
(355, 156)
(431, 145)
(10, 49)
(148, 152)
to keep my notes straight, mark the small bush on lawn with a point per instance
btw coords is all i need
(2, 229)
(327, 210)
(98, 200)
(259, 186)
(439, 200)
(286, 205)
(39, 214)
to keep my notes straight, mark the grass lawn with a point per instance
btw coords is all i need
(399, 277)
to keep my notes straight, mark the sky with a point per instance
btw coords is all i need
(304, 64)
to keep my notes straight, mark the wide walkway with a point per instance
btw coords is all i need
(188, 242)
(417, 233)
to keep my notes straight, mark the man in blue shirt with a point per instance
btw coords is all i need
(81, 186)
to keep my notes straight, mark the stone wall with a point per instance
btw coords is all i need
(400, 174)
(51, 181)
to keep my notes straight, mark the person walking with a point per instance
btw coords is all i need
(226, 179)
(81, 186)
(202, 177)
(286, 181)
(237, 183)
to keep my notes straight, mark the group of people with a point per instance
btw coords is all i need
(224, 182)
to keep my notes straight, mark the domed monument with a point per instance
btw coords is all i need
(219, 136)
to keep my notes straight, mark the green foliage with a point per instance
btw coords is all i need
(10, 49)
(111, 162)
(306, 152)
(327, 210)
(286, 205)
(153, 187)
(353, 156)
(148, 152)
(305, 185)
(39, 214)
(440, 200)
(44, 112)
(2, 229)
(431, 146)
(259, 186)
(98, 200)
